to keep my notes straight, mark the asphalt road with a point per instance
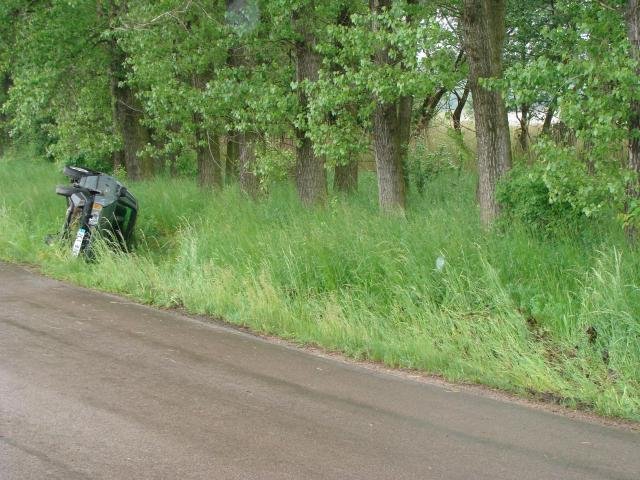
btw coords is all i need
(94, 386)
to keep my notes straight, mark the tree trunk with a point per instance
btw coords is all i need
(235, 58)
(546, 124)
(391, 129)
(523, 134)
(484, 30)
(633, 189)
(135, 136)
(4, 135)
(311, 177)
(345, 177)
(430, 107)
(159, 160)
(208, 157)
(405, 105)
(173, 166)
(126, 109)
(389, 164)
(246, 162)
(231, 167)
(457, 113)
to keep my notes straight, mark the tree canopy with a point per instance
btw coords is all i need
(297, 87)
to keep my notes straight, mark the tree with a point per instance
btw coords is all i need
(5, 85)
(345, 178)
(484, 33)
(177, 54)
(9, 13)
(125, 106)
(232, 155)
(587, 71)
(391, 125)
(240, 156)
(633, 187)
(248, 178)
(311, 177)
(68, 89)
(430, 104)
(527, 21)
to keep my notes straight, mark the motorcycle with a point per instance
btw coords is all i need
(97, 204)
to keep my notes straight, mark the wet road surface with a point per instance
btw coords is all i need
(93, 386)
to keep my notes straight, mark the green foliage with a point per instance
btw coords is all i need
(173, 59)
(274, 163)
(630, 218)
(422, 54)
(59, 87)
(425, 164)
(525, 198)
(586, 67)
(568, 177)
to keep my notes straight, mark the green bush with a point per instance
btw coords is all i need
(525, 198)
(425, 164)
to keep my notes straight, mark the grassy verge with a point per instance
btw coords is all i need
(559, 317)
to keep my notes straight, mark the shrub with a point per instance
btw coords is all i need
(525, 198)
(423, 165)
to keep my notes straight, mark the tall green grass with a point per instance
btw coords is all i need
(557, 318)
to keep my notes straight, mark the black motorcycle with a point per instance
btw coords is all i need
(96, 204)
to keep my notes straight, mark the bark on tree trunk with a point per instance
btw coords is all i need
(208, 157)
(247, 159)
(345, 177)
(430, 107)
(457, 113)
(135, 136)
(126, 109)
(4, 136)
(484, 31)
(523, 134)
(551, 111)
(391, 130)
(633, 189)
(311, 177)
(231, 168)
(389, 164)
